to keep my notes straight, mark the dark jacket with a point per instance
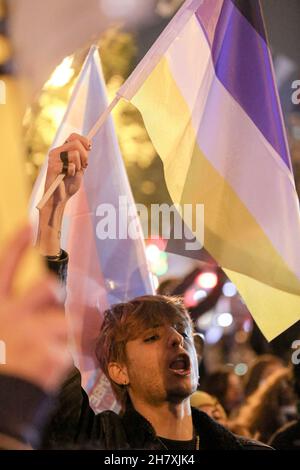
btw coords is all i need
(24, 410)
(75, 425)
(287, 437)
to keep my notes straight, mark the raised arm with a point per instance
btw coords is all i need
(72, 158)
(74, 153)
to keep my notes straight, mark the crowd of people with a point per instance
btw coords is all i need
(148, 351)
(263, 406)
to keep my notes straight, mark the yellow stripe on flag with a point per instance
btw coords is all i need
(232, 235)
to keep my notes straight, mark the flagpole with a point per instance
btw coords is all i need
(90, 136)
(103, 117)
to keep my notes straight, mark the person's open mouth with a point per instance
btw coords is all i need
(181, 365)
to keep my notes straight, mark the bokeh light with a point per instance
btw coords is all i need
(119, 9)
(213, 335)
(189, 298)
(241, 369)
(62, 74)
(229, 289)
(224, 320)
(200, 295)
(158, 260)
(205, 320)
(207, 280)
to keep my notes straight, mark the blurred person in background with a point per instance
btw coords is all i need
(210, 405)
(168, 286)
(271, 406)
(226, 386)
(262, 367)
(33, 331)
(288, 437)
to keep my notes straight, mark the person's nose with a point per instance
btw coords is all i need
(175, 339)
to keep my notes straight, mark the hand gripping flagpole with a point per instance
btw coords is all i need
(90, 136)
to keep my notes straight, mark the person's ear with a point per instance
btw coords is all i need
(118, 373)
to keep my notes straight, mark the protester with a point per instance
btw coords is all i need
(33, 331)
(262, 367)
(271, 406)
(226, 386)
(145, 348)
(288, 437)
(210, 405)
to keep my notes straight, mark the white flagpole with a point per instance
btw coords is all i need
(90, 136)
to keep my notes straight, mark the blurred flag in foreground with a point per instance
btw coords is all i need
(207, 95)
(62, 27)
(101, 271)
(14, 188)
(43, 33)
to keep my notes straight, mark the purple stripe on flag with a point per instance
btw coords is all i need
(242, 63)
(252, 12)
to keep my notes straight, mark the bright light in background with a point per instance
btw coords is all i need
(224, 320)
(205, 320)
(229, 289)
(213, 335)
(158, 260)
(247, 326)
(166, 8)
(200, 294)
(158, 241)
(241, 369)
(207, 280)
(110, 284)
(189, 298)
(152, 253)
(55, 113)
(117, 8)
(129, 10)
(162, 267)
(62, 74)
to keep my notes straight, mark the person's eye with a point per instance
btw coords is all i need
(151, 339)
(185, 335)
(183, 331)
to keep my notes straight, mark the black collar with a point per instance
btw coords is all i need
(141, 434)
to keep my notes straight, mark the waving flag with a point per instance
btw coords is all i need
(101, 271)
(208, 98)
